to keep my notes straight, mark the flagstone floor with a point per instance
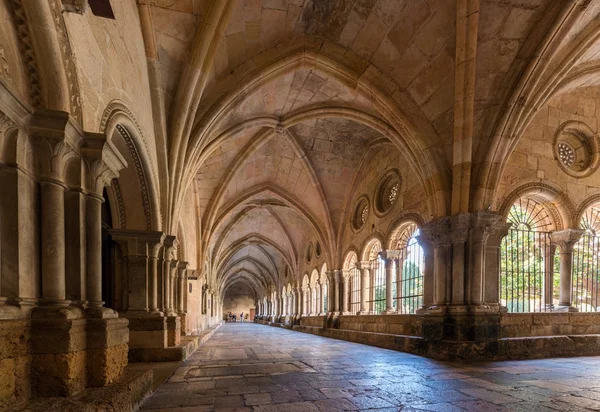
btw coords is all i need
(249, 367)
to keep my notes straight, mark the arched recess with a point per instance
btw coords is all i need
(557, 203)
(371, 249)
(403, 230)
(592, 201)
(135, 190)
(350, 260)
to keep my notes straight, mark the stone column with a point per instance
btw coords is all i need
(346, 292)
(322, 285)
(336, 277)
(53, 152)
(389, 256)
(437, 233)
(59, 368)
(428, 278)
(182, 290)
(173, 288)
(365, 268)
(566, 239)
(491, 279)
(102, 164)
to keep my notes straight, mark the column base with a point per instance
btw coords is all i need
(389, 312)
(363, 312)
(101, 313)
(58, 369)
(564, 308)
(183, 322)
(173, 330)
(457, 324)
(108, 348)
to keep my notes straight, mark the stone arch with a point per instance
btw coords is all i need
(323, 273)
(137, 179)
(373, 244)
(350, 259)
(590, 201)
(400, 230)
(554, 199)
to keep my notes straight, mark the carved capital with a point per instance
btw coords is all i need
(102, 162)
(390, 255)
(139, 243)
(56, 138)
(566, 239)
(437, 232)
(363, 265)
(487, 228)
(459, 226)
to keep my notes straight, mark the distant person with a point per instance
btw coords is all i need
(242, 317)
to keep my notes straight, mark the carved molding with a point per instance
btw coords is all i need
(120, 205)
(68, 58)
(27, 52)
(140, 174)
(6, 123)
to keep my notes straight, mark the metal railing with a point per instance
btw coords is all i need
(409, 278)
(586, 273)
(528, 271)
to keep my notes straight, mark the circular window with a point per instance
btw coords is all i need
(387, 192)
(361, 213)
(318, 249)
(576, 149)
(309, 252)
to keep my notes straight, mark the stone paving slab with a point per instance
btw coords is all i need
(267, 369)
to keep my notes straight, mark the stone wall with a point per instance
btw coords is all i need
(549, 324)
(237, 301)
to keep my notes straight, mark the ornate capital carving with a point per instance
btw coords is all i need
(437, 232)
(486, 227)
(363, 265)
(566, 239)
(56, 139)
(102, 162)
(389, 255)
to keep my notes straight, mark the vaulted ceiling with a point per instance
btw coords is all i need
(298, 90)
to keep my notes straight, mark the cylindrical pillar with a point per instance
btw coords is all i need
(389, 275)
(153, 278)
(53, 243)
(346, 293)
(94, 250)
(364, 282)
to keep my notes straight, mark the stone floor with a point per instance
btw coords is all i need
(248, 367)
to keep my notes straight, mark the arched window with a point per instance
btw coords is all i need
(408, 275)
(354, 281)
(527, 258)
(376, 290)
(586, 263)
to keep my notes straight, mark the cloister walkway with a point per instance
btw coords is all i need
(249, 367)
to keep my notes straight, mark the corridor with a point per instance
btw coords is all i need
(249, 367)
